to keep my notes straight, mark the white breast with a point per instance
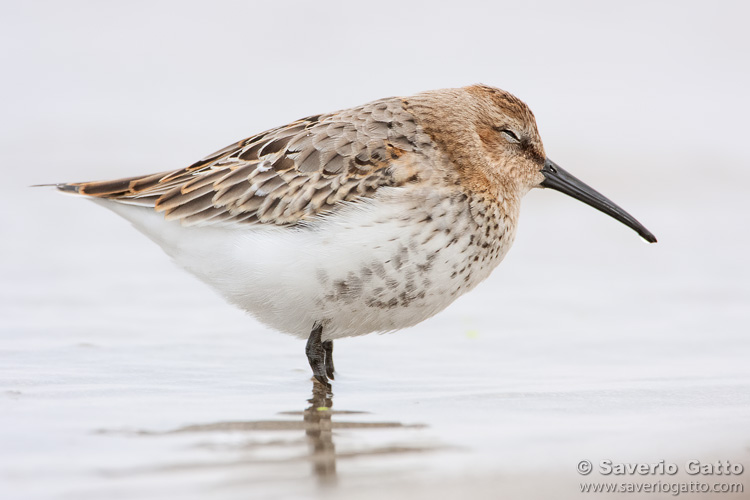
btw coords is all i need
(375, 265)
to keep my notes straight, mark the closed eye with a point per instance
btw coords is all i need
(510, 135)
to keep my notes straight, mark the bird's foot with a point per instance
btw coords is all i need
(316, 354)
(328, 347)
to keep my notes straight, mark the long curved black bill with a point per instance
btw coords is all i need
(558, 179)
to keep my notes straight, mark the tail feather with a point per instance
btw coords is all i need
(66, 188)
(124, 190)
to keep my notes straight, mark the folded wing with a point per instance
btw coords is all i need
(286, 174)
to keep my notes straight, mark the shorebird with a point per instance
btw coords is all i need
(369, 219)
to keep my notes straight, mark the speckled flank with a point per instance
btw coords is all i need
(425, 266)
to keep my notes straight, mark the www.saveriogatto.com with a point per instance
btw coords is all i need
(720, 476)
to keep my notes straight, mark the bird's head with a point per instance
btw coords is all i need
(491, 136)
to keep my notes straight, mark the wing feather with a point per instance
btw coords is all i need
(284, 175)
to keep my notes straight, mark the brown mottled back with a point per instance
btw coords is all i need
(283, 175)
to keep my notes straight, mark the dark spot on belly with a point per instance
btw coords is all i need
(341, 287)
(366, 273)
(423, 268)
(379, 269)
(396, 262)
(405, 299)
(379, 304)
(355, 284)
(410, 274)
(346, 290)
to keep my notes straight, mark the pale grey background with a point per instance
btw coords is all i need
(585, 343)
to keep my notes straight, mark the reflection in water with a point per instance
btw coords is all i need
(271, 444)
(318, 427)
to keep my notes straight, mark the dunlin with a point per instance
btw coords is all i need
(369, 219)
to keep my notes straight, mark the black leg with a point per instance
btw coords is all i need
(328, 346)
(316, 355)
